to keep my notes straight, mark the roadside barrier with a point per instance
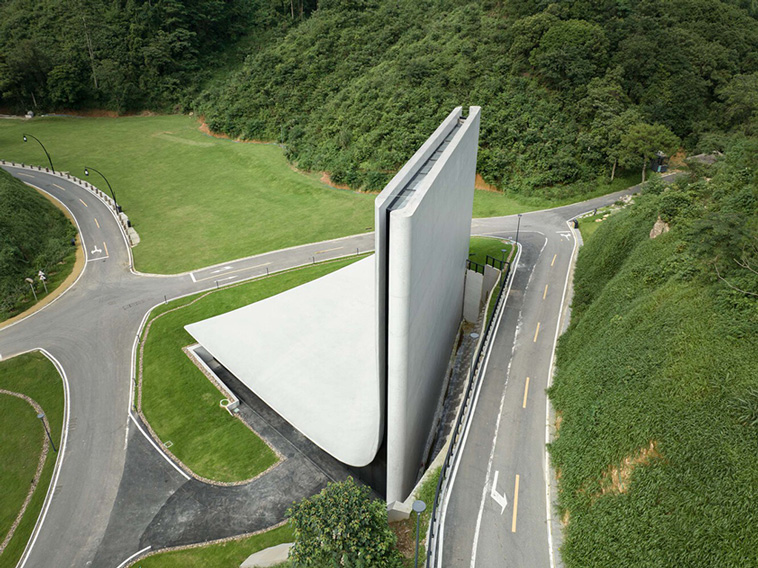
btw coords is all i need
(123, 219)
(475, 376)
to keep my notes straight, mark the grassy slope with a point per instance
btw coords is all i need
(31, 374)
(194, 199)
(43, 233)
(652, 358)
(198, 200)
(177, 397)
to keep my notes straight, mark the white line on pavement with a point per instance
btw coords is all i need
(548, 474)
(448, 491)
(126, 562)
(150, 439)
(58, 461)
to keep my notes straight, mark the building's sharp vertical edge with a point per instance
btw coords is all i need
(428, 246)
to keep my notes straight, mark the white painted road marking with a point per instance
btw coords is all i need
(238, 270)
(500, 499)
(565, 235)
(221, 269)
(126, 562)
(96, 250)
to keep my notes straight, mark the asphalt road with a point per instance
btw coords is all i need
(498, 511)
(91, 328)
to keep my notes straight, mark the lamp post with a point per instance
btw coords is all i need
(518, 227)
(86, 173)
(41, 416)
(31, 285)
(43, 147)
(419, 506)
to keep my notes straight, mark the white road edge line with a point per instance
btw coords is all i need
(58, 461)
(475, 544)
(448, 490)
(150, 439)
(125, 562)
(551, 369)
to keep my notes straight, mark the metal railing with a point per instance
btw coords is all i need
(432, 554)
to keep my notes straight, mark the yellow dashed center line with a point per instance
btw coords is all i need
(515, 507)
(544, 294)
(83, 203)
(537, 332)
(106, 248)
(96, 223)
(555, 255)
(59, 187)
(526, 392)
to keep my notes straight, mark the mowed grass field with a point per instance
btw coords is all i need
(195, 200)
(21, 441)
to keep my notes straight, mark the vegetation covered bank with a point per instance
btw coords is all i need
(34, 236)
(656, 390)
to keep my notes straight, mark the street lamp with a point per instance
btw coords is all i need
(43, 147)
(41, 416)
(86, 173)
(31, 285)
(419, 506)
(518, 227)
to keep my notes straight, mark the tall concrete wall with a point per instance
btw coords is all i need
(426, 247)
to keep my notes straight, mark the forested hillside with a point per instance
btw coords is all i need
(656, 390)
(126, 54)
(570, 90)
(34, 235)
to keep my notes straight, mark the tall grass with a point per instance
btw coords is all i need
(653, 356)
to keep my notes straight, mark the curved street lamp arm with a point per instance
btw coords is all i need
(49, 159)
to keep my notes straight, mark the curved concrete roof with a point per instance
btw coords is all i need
(310, 354)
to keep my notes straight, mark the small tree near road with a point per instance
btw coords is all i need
(641, 142)
(342, 527)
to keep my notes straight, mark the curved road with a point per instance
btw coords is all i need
(92, 327)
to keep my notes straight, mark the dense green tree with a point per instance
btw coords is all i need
(342, 527)
(642, 141)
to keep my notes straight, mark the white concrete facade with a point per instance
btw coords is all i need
(309, 354)
(361, 353)
(423, 228)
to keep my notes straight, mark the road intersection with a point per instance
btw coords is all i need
(91, 329)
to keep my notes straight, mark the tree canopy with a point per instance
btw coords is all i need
(342, 527)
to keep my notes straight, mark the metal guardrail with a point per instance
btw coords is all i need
(432, 554)
(121, 217)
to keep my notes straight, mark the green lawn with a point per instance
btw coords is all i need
(21, 439)
(182, 405)
(494, 204)
(194, 199)
(224, 555)
(480, 247)
(198, 200)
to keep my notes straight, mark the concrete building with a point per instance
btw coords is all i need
(357, 358)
